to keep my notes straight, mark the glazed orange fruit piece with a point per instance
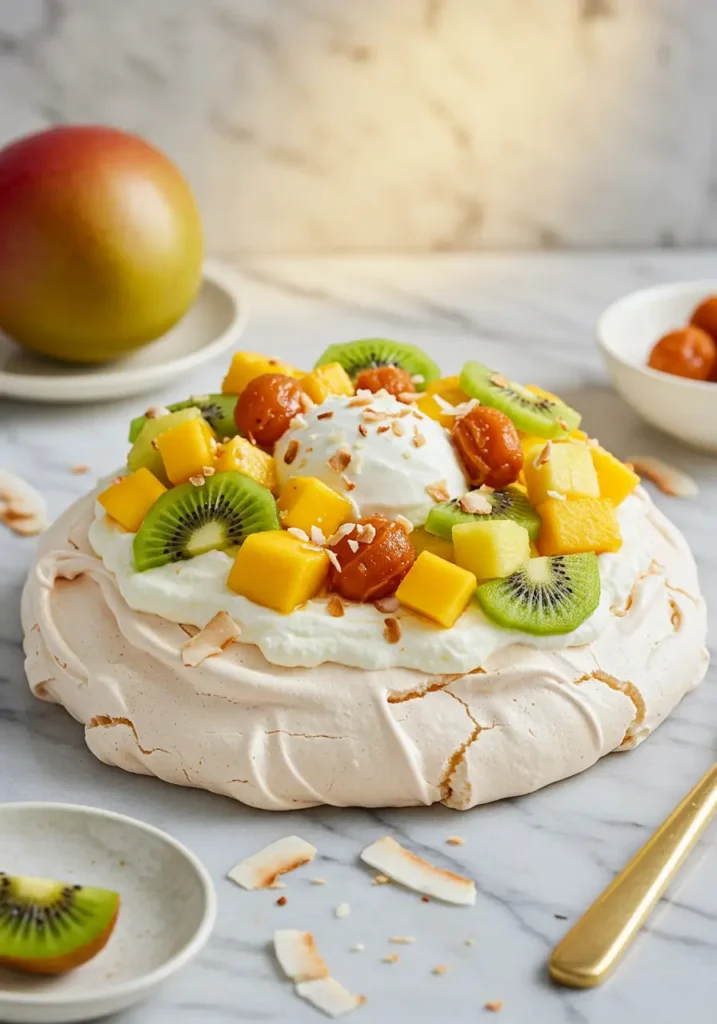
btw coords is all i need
(393, 379)
(266, 407)
(689, 352)
(488, 447)
(377, 566)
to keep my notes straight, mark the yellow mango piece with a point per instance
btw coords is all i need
(569, 471)
(437, 589)
(130, 499)
(186, 449)
(306, 502)
(424, 541)
(529, 441)
(491, 549)
(276, 570)
(584, 524)
(241, 456)
(245, 366)
(330, 379)
(616, 480)
(447, 388)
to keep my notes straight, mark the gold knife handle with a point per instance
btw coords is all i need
(593, 947)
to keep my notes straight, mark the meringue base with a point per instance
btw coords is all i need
(280, 738)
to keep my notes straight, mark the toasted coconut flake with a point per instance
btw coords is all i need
(342, 910)
(354, 545)
(391, 630)
(198, 480)
(298, 956)
(363, 430)
(220, 631)
(408, 397)
(557, 495)
(317, 536)
(561, 423)
(391, 958)
(494, 1006)
(156, 411)
(305, 402)
(440, 969)
(398, 428)
(669, 479)
(335, 607)
(366, 533)
(415, 873)
(459, 411)
(476, 503)
(348, 484)
(402, 940)
(455, 841)
(261, 869)
(340, 460)
(333, 559)
(405, 523)
(325, 415)
(363, 398)
(299, 422)
(22, 508)
(438, 491)
(329, 996)
(387, 604)
(343, 531)
(292, 450)
(373, 416)
(543, 455)
(300, 534)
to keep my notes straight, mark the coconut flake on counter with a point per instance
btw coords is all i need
(301, 961)
(415, 873)
(261, 869)
(329, 996)
(22, 508)
(219, 632)
(669, 479)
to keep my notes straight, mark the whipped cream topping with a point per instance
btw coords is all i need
(391, 450)
(192, 592)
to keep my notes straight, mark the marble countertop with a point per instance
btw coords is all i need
(539, 860)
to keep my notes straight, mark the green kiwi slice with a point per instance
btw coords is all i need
(508, 504)
(370, 353)
(217, 410)
(188, 521)
(144, 454)
(530, 412)
(49, 927)
(546, 596)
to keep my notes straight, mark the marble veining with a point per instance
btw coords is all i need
(538, 861)
(315, 126)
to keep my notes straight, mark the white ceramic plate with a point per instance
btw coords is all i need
(167, 909)
(212, 325)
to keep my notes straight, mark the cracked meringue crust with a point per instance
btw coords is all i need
(280, 738)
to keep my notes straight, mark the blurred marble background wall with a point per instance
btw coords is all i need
(345, 125)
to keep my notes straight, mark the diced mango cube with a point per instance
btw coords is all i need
(437, 589)
(584, 524)
(424, 541)
(245, 366)
(186, 449)
(241, 456)
(569, 470)
(130, 499)
(616, 480)
(305, 502)
(447, 388)
(276, 570)
(496, 547)
(330, 379)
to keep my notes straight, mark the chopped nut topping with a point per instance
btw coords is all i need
(340, 460)
(208, 471)
(306, 403)
(391, 630)
(402, 940)
(366, 533)
(361, 399)
(495, 1006)
(317, 536)
(298, 423)
(407, 397)
(405, 523)
(363, 430)
(405, 412)
(282, 901)
(380, 880)
(438, 491)
(440, 969)
(78, 470)
(197, 481)
(418, 440)
(333, 559)
(299, 534)
(348, 484)
(318, 881)
(156, 411)
(556, 494)
(154, 443)
(392, 958)
(475, 503)
(292, 450)
(384, 429)
(373, 415)
(500, 381)
(283, 515)
(398, 428)
(343, 531)
(325, 415)
(543, 456)
(353, 544)
(561, 423)
(335, 608)
(387, 604)
(455, 841)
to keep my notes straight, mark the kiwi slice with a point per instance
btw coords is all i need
(217, 410)
(546, 596)
(188, 521)
(144, 454)
(370, 353)
(508, 504)
(49, 927)
(530, 412)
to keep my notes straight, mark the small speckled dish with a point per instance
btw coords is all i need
(167, 909)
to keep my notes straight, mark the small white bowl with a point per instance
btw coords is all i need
(627, 331)
(167, 908)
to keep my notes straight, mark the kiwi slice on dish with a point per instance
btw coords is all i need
(188, 521)
(144, 454)
(49, 927)
(546, 596)
(531, 412)
(370, 353)
(217, 410)
(508, 504)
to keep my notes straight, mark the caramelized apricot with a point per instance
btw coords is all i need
(705, 316)
(393, 379)
(689, 352)
(266, 407)
(488, 447)
(382, 558)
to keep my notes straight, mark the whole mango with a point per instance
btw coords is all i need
(100, 243)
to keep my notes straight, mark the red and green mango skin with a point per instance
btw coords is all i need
(100, 243)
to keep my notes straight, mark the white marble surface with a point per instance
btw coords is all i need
(317, 126)
(534, 858)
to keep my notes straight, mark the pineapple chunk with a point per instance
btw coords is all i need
(569, 471)
(447, 388)
(584, 524)
(424, 541)
(327, 380)
(437, 589)
(245, 366)
(494, 548)
(306, 502)
(616, 479)
(186, 449)
(242, 456)
(276, 570)
(130, 499)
